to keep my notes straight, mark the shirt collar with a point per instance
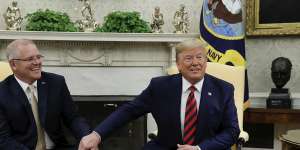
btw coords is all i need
(186, 85)
(25, 85)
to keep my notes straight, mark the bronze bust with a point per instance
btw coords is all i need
(281, 74)
(281, 71)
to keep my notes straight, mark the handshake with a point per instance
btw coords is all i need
(90, 142)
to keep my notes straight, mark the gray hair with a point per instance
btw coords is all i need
(189, 45)
(12, 49)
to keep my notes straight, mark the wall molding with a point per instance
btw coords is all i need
(97, 36)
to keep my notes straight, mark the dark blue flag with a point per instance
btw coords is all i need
(221, 26)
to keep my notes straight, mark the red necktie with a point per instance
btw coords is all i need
(190, 120)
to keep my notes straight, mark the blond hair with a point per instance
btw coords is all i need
(189, 45)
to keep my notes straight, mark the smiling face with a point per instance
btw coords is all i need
(191, 63)
(27, 63)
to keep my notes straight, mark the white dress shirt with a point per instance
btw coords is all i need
(49, 143)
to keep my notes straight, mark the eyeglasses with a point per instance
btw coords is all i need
(30, 59)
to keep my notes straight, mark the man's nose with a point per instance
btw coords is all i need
(195, 61)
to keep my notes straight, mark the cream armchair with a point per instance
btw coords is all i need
(235, 76)
(4, 70)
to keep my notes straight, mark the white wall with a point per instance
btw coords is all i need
(102, 8)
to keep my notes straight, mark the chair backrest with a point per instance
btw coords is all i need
(4, 70)
(231, 74)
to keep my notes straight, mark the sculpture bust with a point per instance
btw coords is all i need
(181, 20)
(13, 17)
(157, 21)
(281, 71)
(281, 74)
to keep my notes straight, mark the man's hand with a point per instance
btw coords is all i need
(186, 147)
(90, 142)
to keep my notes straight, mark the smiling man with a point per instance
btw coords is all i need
(193, 110)
(34, 104)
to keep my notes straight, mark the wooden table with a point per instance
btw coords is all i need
(263, 115)
(270, 117)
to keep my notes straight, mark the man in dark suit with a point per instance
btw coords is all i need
(193, 110)
(34, 104)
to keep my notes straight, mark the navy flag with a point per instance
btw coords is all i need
(221, 26)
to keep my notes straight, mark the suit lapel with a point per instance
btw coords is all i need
(42, 88)
(20, 96)
(176, 96)
(206, 95)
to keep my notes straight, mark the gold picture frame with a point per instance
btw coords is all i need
(255, 28)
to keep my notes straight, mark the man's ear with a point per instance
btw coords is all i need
(12, 64)
(178, 66)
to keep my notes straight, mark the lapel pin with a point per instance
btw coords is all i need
(43, 82)
(209, 93)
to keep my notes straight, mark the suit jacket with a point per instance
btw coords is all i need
(217, 126)
(17, 126)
